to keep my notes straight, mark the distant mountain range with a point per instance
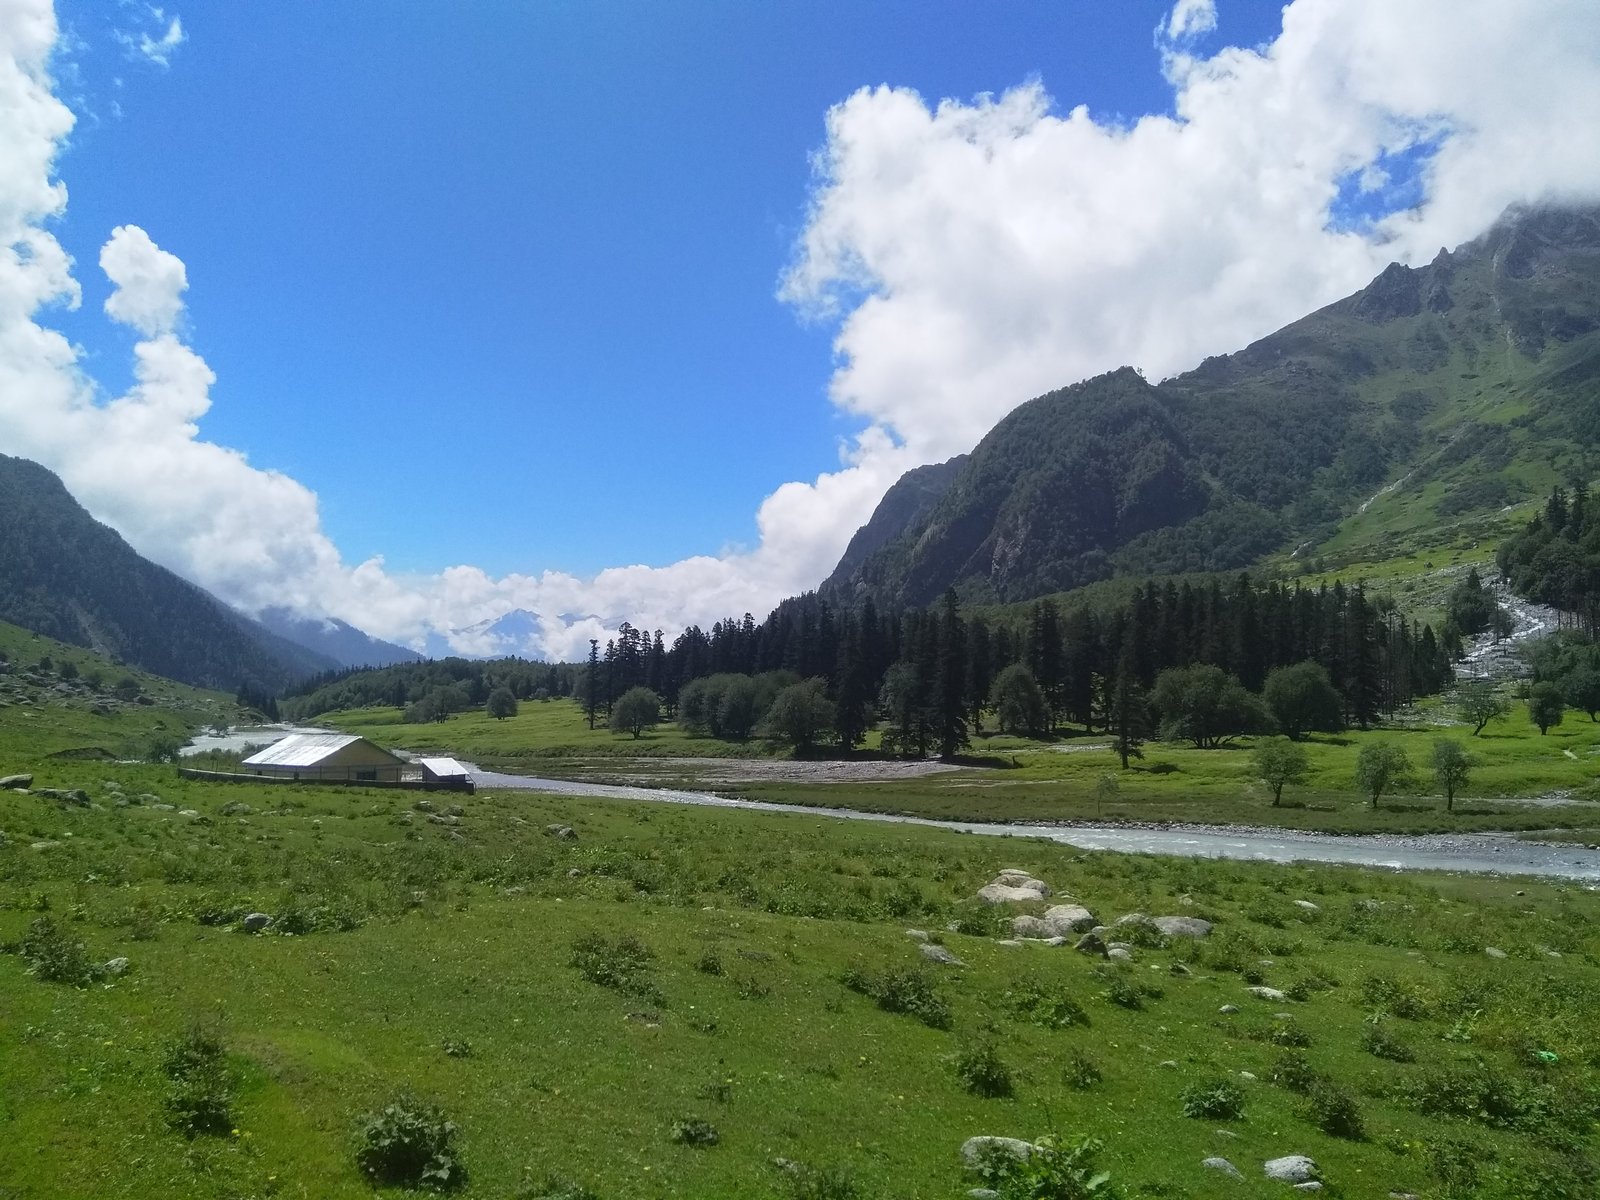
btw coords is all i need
(1433, 395)
(69, 577)
(336, 639)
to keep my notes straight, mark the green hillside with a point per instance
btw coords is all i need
(1409, 416)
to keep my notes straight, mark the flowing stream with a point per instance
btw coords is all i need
(1431, 852)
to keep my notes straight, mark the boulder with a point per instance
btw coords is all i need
(1308, 905)
(236, 808)
(1002, 893)
(1031, 927)
(1119, 954)
(1310, 1185)
(1267, 993)
(1091, 943)
(117, 966)
(938, 954)
(564, 833)
(1494, 952)
(255, 922)
(1068, 918)
(16, 781)
(75, 796)
(975, 1149)
(1228, 1008)
(1189, 927)
(917, 935)
(1291, 1168)
(1223, 1165)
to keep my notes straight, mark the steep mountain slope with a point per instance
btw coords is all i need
(65, 575)
(1433, 397)
(336, 639)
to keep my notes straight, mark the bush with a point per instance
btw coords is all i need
(820, 1183)
(981, 1071)
(709, 963)
(1333, 1110)
(1035, 1001)
(694, 1131)
(1050, 1172)
(1213, 1100)
(1292, 1071)
(410, 1144)
(55, 957)
(200, 1098)
(910, 992)
(1081, 1072)
(620, 963)
(1380, 1043)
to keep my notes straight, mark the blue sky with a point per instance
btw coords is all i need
(414, 314)
(501, 289)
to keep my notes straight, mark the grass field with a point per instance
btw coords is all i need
(439, 956)
(1028, 780)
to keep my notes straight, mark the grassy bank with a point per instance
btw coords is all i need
(447, 957)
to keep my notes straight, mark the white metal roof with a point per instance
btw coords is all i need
(301, 750)
(443, 768)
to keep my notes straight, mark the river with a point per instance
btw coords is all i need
(1481, 853)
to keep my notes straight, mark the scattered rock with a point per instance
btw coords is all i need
(1189, 927)
(565, 833)
(1003, 893)
(236, 808)
(1031, 927)
(426, 806)
(188, 812)
(164, 807)
(917, 935)
(1310, 1185)
(1068, 918)
(975, 1149)
(1267, 993)
(939, 954)
(1248, 1076)
(1119, 954)
(983, 1194)
(74, 796)
(1291, 1168)
(1228, 1008)
(1010, 942)
(45, 845)
(1494, 952)
(117, 966)
(1170, 1064)
(1223, 1165)
(16, 781)
(575, 873)
(441, 819)
(255, 922)
(1308, 906)
(1179, 968)
(1091, 943)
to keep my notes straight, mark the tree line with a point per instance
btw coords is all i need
(1555, 558)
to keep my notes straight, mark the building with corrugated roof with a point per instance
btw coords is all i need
(331, 757)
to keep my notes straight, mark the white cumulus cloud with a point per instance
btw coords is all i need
(149, 282)
(973, 253)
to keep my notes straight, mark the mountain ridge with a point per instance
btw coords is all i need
(1459, 386)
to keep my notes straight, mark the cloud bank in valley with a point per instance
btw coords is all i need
(973, 254)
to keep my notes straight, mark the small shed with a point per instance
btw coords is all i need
(326, 757)
(445, 773)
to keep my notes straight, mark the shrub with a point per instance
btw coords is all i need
(620, 963)
(55, 957)
(554, 1187)
(1081, 1072)
(1377, 1041)
(200, 1096)
(410, 1144)
(1292, 1071)
(455, 1047)
(709, 963)
(1035, 1001)
(694, 1131)
(981, 1070)
(1334, 1111)
(819, 1183)
(910, 992)
(1213, 1100)
(1050, 1172)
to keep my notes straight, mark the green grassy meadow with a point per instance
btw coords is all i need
(438, 956)
(1028, 780)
